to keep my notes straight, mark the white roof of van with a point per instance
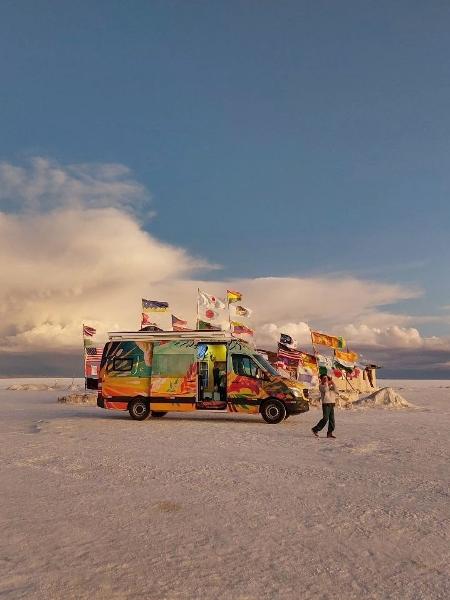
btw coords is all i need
(206, 336)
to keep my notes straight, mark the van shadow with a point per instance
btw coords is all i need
(189, 418)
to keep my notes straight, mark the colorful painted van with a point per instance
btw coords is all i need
(149, 373)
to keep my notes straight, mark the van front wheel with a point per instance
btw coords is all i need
(273, 411)
(139, 409)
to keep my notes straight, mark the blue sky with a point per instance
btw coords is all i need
(276, 138)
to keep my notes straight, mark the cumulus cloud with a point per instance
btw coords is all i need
(42, 184)
(71, 265)
(73, 251)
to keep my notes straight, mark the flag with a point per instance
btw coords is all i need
(241, 328)
(92, 358)
(94, 353)
(179, 324)
(286, 339)
(88, 331)
(241, 311)
(154, 306)
(204, 325)
(350, 357)
(345, 359)
(146, 320)
(233, 296)
(308, 361)
(209, 301)
(325, 361)
(332, 341)
(210, 314)
(304, 375)
(284, 352)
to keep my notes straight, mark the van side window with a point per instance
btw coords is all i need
(122, 364)
(244, 365)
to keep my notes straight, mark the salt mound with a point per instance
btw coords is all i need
(343, 399)
(89, 399)
(29, 387)
(40, 387)
(384, 398)
(346, 399)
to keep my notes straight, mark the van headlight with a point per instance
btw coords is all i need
(295, 392)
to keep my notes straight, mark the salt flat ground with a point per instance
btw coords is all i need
(95, 505)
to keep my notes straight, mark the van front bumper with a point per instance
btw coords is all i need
(297, 406)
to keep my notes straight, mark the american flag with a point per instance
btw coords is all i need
(89, 331)
(94, 353)
(288, 353)
(179, 324)
(92, 358)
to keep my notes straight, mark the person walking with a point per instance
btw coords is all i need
(328, 397)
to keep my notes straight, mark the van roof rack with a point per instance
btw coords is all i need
(201, 335)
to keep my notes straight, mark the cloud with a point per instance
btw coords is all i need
(73, 250)
(69, 266)
(42, 185)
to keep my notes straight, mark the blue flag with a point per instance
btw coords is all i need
(154, 306)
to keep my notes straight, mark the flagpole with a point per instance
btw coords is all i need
(312, 343)
(315, 354)
(229, 313)
(84, 356)
(198, 309)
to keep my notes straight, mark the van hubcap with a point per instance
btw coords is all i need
(273, 411)
(139, 409)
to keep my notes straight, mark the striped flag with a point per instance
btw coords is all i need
(233, 296)
(179, 324)
(204, 325)
(94, 353)
(89, 331)
(288, 354)
(154, 306)
(240, 328)
(147, 320)
(92, 358)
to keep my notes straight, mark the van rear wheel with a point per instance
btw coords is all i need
(273, 411)
(139, 409)
(158, 413)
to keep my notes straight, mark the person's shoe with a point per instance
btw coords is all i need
(315, 432)
(331, 436)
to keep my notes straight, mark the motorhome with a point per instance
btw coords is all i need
(153, 373)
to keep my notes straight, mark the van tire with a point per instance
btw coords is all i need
(158, 413)
(273, 411)
(139, 409)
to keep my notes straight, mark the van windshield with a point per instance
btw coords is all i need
(266, 364)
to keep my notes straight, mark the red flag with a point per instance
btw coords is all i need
(179, 324)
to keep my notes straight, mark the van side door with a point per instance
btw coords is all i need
(245, 388)
(174, 373)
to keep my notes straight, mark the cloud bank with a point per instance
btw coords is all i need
(73, 250)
